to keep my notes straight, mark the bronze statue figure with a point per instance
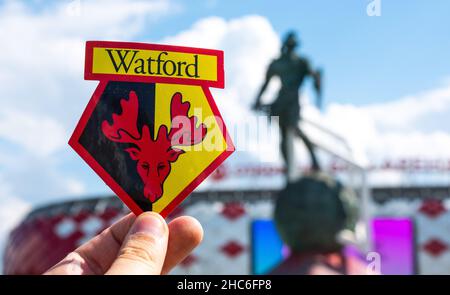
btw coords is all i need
(292, 70)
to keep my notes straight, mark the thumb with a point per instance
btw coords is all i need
(144, 250)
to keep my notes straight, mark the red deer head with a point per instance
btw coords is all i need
(154, 157)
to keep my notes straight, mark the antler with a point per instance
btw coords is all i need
(184, 130)
(124, 126)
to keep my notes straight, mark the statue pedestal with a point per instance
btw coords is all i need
(291, 171)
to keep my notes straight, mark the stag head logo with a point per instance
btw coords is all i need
(154, 157)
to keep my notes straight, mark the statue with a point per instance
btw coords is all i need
(311, 212)
(292, 70)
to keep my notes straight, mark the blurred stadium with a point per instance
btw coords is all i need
(237, 218)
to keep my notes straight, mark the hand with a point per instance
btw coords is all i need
(143, 245)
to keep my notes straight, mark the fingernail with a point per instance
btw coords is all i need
(149, 223)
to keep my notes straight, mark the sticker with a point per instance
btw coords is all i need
(151, 130)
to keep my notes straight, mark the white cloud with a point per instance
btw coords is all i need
(404, 113)
(75, 187)
(249, 44)
(37, 134)
(394, 129)
(43, 91)
(43, 51)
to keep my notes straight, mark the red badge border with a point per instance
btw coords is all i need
(105, 78)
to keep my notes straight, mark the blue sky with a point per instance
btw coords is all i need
(366, 59)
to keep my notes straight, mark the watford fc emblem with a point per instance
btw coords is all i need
(151, 130)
